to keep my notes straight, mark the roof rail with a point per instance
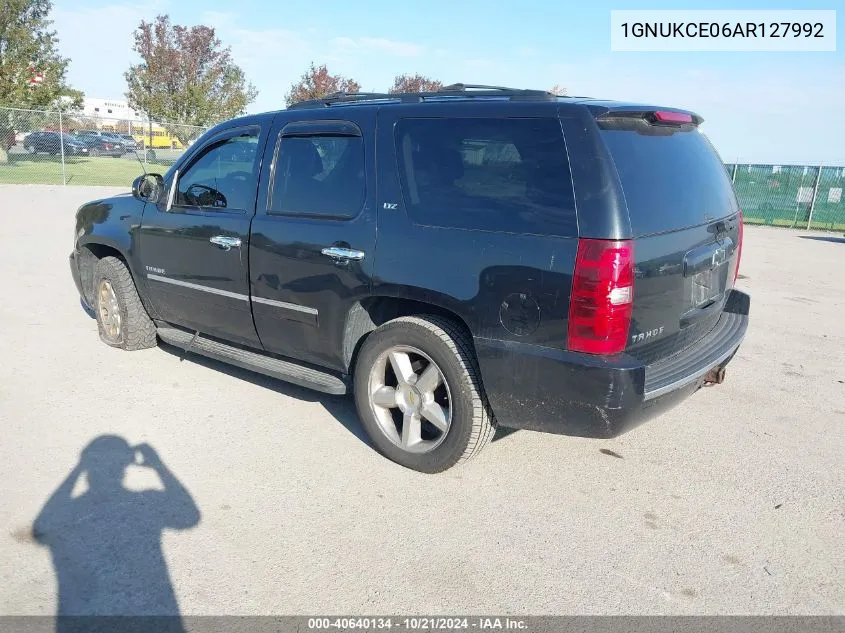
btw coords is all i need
(466, 87)
(453, 90)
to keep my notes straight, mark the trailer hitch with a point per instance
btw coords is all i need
(715, 376)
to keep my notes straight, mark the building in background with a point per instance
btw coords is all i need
(109, 109)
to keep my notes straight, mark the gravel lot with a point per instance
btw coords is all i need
(732, 503)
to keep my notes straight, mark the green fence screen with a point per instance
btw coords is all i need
(789, 195)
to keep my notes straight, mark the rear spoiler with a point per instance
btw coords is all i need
(662, 117)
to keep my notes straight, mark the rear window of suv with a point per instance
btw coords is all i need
(672, 179)
(505, 175)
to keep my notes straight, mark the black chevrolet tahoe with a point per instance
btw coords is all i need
(459, 260)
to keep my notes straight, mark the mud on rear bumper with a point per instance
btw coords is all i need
(556, 391)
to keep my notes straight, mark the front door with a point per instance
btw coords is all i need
(313, 237)
(193, 244)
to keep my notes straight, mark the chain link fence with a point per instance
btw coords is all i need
(808, 196)
(61, 148)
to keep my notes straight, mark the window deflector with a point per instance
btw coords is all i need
(321, 128)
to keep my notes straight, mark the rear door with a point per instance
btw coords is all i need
(685, 221)
(313, 239)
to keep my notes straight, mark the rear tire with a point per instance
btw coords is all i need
(453, 420)
(122, 320)
(94, 152)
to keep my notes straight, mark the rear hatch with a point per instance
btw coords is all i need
(685, 223)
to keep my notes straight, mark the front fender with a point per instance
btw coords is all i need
(113, 223)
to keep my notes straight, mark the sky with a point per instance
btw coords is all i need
(768, 107)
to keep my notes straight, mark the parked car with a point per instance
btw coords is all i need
(111, 137)
(102, 133)
(101, 145)
(119, 139)
(549, 263)
(51, 143)
(129, 142)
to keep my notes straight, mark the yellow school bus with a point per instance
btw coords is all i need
(160, 139)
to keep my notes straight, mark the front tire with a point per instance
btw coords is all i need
(419, 394)
(122, 320)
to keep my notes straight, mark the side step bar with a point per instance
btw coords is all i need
(254, 361)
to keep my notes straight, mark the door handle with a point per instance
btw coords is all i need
(225, 242)
(343, 254)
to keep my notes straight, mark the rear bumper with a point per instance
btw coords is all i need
(545, 389)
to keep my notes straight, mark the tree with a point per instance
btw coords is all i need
(28, 51)
(558, 90)
(186, 77)
(77, 123)
(414, 83)
(316, 82)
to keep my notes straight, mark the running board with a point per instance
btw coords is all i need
(253, 361)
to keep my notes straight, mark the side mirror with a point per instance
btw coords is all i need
(148, 188)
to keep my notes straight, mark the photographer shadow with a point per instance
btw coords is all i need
(106, 542)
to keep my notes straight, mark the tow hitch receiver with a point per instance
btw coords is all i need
(715, 376)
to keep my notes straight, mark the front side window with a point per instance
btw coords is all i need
(222, 177)
(505, 175)
(319, 175)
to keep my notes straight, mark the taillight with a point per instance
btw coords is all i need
(738, 247)
(602, 298)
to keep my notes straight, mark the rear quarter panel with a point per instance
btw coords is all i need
(505, 286)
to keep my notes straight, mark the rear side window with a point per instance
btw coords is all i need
(505, 175)
(672, 179)
(319, 175)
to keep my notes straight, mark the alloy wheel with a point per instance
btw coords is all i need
(109, 310)
(410, 399)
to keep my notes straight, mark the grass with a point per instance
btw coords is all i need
(47, 170)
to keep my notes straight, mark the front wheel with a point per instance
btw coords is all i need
(419, 395)
(121, 318)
